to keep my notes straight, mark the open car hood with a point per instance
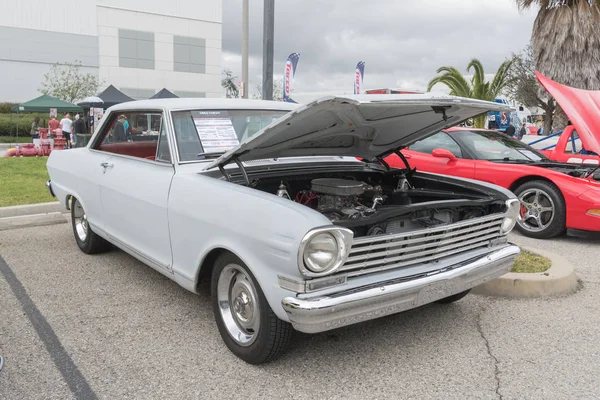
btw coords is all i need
(364, 126)
(581, 106)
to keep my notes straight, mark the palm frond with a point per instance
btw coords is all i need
(454, 80)
(500, 79)
(478, 80)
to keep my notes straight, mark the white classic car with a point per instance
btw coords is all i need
(289, 211)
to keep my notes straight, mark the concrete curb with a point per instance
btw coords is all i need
(31, 209)
(25, 221)
(559, 280)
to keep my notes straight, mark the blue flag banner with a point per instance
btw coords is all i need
(358, 76)
(288, 75)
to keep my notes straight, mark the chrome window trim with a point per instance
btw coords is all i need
(101, 130)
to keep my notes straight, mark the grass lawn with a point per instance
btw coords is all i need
(12, 139)
(23, 181)
(531, 263)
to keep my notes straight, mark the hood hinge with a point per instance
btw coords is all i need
(240, 166)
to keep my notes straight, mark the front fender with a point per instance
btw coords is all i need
(262, 229)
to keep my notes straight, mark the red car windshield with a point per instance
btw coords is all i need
(495, 146)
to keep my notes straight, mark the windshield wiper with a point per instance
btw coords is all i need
(209, 155)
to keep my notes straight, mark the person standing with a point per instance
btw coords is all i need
(522, 131)
(118, 130)
(510, 130)
(34, 129)
(53, 125)
(67, 126)
(79, 128)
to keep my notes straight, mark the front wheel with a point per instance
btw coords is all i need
(543, 210)
(247, 325)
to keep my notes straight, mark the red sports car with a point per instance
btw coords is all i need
(555, 197)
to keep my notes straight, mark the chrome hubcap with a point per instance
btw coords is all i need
(537, 210)
(238, 304)
(81, 223)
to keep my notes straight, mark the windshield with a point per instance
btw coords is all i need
(496, 146)
(202, 134)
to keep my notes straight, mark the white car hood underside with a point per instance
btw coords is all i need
(358, 126)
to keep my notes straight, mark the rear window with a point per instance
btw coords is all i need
(208, 133)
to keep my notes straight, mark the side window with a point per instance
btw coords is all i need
(132, 133)
(163, 154)
(440, 140)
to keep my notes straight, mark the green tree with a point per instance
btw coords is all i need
(67, 82)
(523, 86)
(228, 83)
(477, 87)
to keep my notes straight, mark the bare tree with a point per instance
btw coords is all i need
(277, 90)
(228, 83)
(523, 86)
(67, 82)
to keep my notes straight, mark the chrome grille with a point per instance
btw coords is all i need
(381, 252)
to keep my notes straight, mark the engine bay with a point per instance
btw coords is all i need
(394, 202)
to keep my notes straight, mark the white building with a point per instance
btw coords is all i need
(139, 46)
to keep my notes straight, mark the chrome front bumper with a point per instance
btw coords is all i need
(49, 186)
(322, 313)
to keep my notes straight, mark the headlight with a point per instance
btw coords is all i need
(324, 250)
(512, 214)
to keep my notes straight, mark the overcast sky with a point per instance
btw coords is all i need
(402, 42)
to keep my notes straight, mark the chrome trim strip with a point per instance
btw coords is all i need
(142, 257)
(323, 313)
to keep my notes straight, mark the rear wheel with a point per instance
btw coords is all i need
(453, 298)
(247, 325)
(543, 211)
(86, 239)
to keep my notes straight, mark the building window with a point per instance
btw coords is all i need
(189, 54)
(136, 49)
(184, 93)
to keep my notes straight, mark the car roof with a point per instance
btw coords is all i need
(204, 103)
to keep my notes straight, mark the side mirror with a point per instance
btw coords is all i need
(596, 175)
(443, 153)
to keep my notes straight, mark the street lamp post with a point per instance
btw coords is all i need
(268, 34)
(245, 49)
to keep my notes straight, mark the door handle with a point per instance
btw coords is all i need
(106, 165)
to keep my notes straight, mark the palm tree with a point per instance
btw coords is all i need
(566, 41)
(566, 45)
(228, 83)
(478, 88)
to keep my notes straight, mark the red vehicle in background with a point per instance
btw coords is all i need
(579, 143)
(555, 197)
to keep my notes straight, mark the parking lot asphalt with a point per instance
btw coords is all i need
(108, 327)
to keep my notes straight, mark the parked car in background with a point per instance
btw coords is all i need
(555, 197)
(268, 203)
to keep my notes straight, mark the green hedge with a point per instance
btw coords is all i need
(8, 125)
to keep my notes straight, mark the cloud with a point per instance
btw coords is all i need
(402, 42)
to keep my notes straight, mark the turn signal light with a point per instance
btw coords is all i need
(594, 211)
